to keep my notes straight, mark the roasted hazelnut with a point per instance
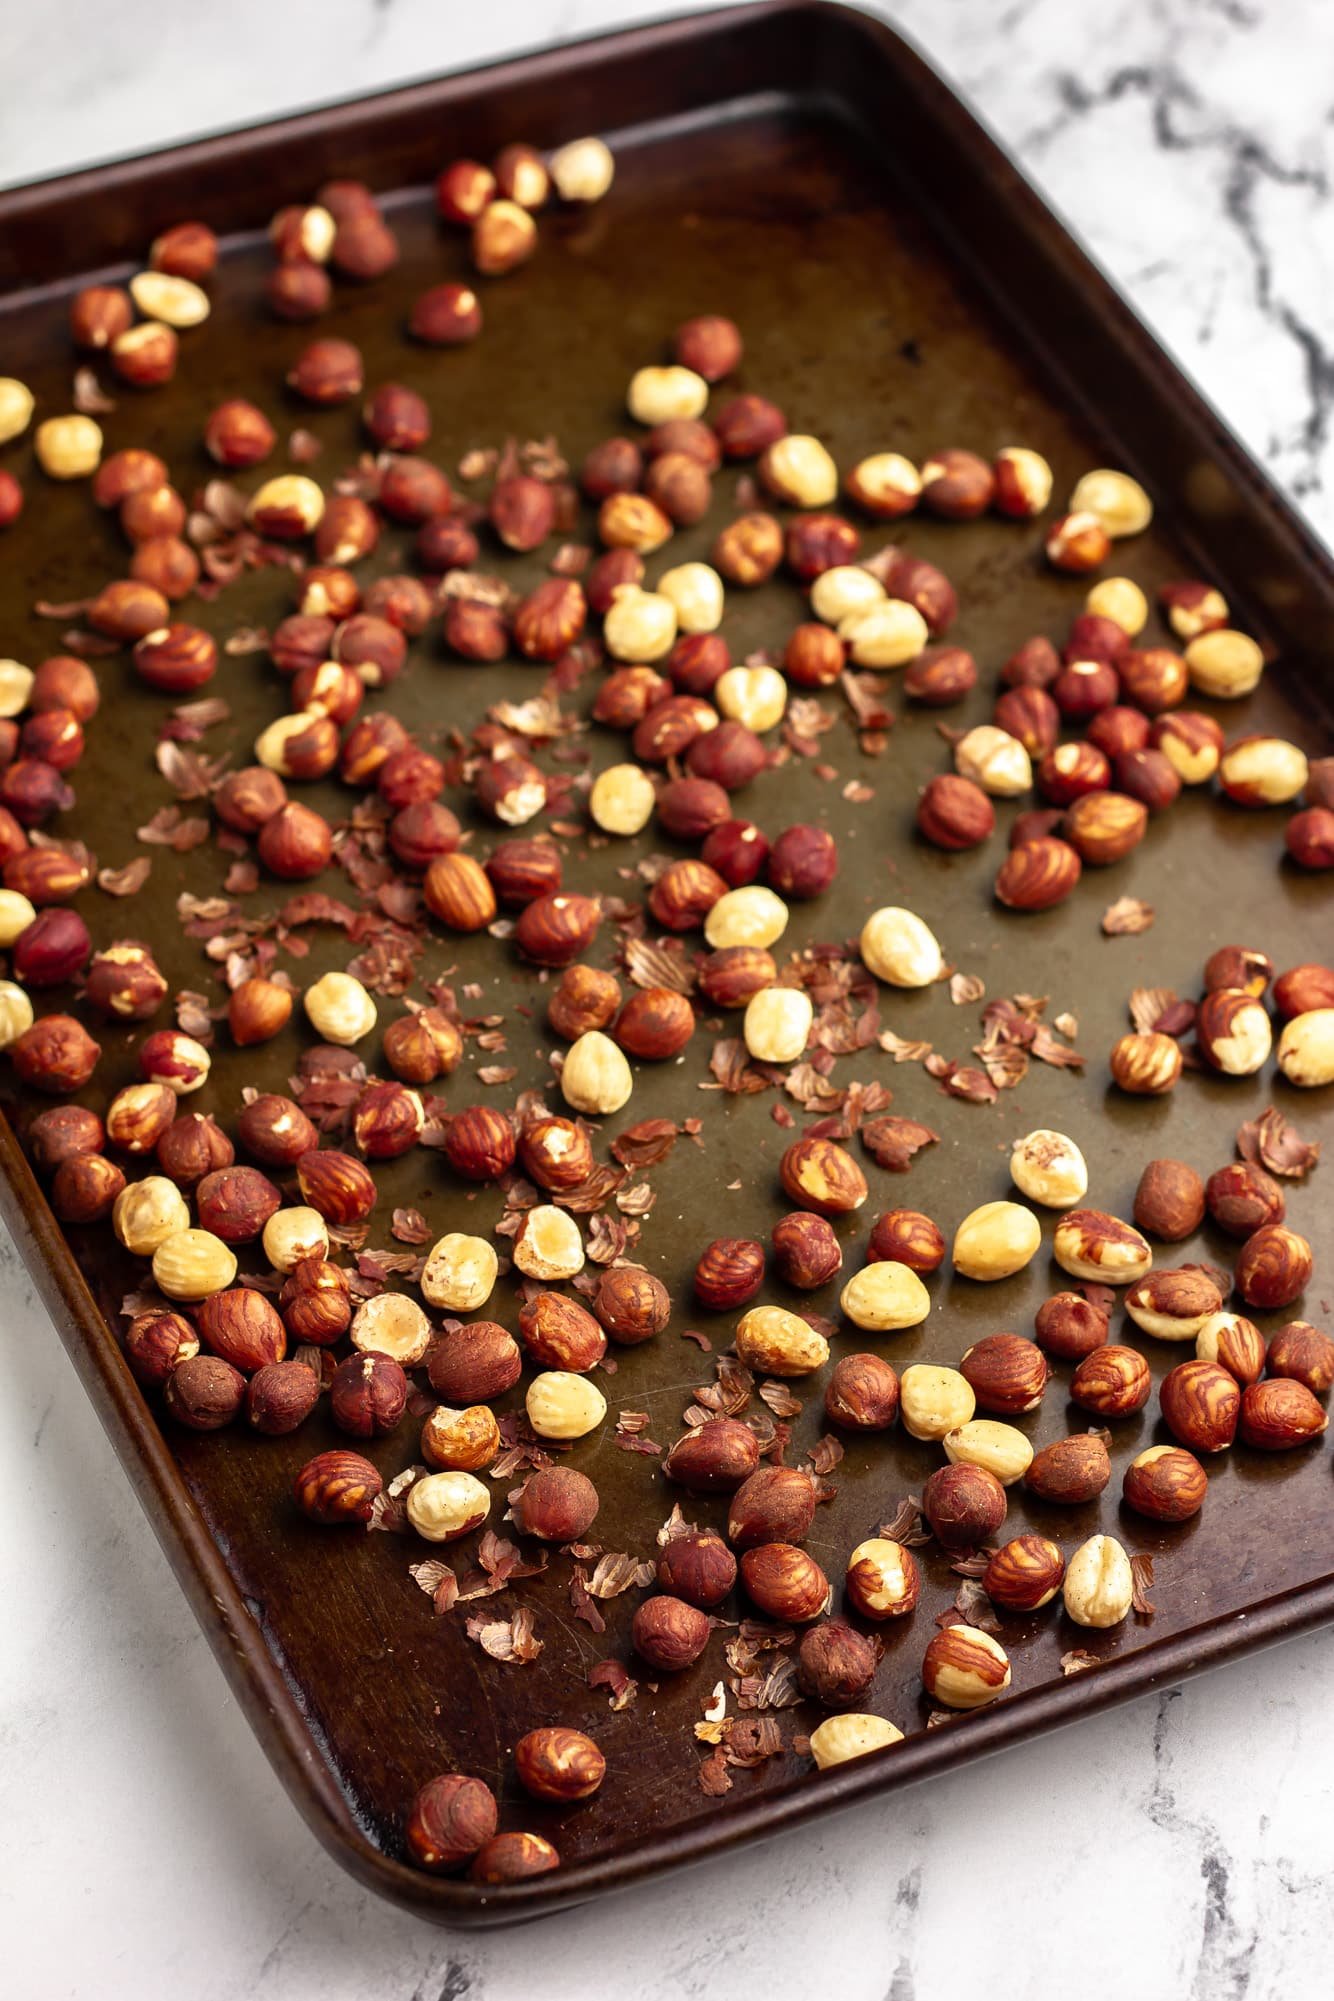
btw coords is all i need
(204, 1393)
(697, 1566)
(275, 1131)
(512, 1857)
(1279, 1414)
(655, 1024)
(906, 1237)
(63, 1133)
(803, 862)
(1301, 1352)
(138, 1116)
(819, 1175)
(479, 1143)
(1112, 1381)
(940, 676)
(954, 813)
(1099, 1584)
(1077, 543)
(1306, 1049)
(806, 1251)
(336, 1488)
(1165, 1483)
(145, 355)
(445, 315)
(733, 975)
(842, 1738)
(1235, 1343)
(85, 1188)
(728, 1273)
(558, 1764)
(999, 1449)
(1173, 1305)
(882, 1580)
(1120, 732)
(124, 980)
(293, 1236)
(709, 345)
(595, 1077)
(748, 425)
(737, 851)
(458, 892)
(714, 1458)
(64, 682)
(862, 1393)
(1200, 1404)
(964, 1668)
(32, 790)
(748, 550)
(1008, 1375)
(957, 485)
(964, 1505)
(1070, 1326)
(1070, 1471)
(474, 1363)
(368, 1395)
(669, 1634)
(336, 1184)
(1192, 744)
(192, 1146)
(771, 1340)
(1090, 1244)
(933, 1401)
(1049, 1168)
(169, 1056)
(1022, 482)
(1224, 664)
(450, 1819)
(1241, 1198)
(280, 1397)
(995, 1241)
(155, 1342)
(678, 490)
(1192, 607)
(631, 1304)
(555, 1504)
(1274, 1267)
(1145, 1064)
(295, 843)
(257, 1010)
(548, 1245)
(315, 1302)
(1024, 1574)
(561, 1404)
(459, 1273)
(785, 1583)
(56, 1055)
(299, 290)
(814, 657)
(835, 1664)
(1309, 838)
(387, 1121)
(97, 314)
(242, 1327)
(556, 1152)
(511, 790)
(775, 1504)
(444, 1507)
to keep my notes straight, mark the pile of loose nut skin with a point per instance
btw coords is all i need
(216, 1342)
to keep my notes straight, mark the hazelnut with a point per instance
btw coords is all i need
(459, 1274)
(138, 1116)
(806, 1251)
(1165, 1483)
(1173, 1305)
(341, 1187)
(696, 592)
(775, 1504)
(1155, 679)
(907, 1237)
(776, 1342)
(1192, 607)
(559, 1764)
(291, 1236)
(657, 395)
(1279, 1414)
(1077, 543)
(1306, 1048)
(1238, 966)
(257, 1010)
(56, 1054)
(1070, 1471)
(1049, 1168)
(965, 1668)
(295, 843)
(1008, 1374)
(556, 1153)
(1242, 1198)
(479, 1143)
(556, 1504)
(51, 948)
(444, 1507)
(940, 676)
(155, 1342)
(511, 1857)
(845, 590)
(699, 1567)
(68, 447)
(640, 625)
(1274, 1267)
(191, 1147)
(1262, 771)
(954, 813)
(1224, 664)
(1236, 1344)
(280, 1397)
(85, 1188)
(655, 1024)
(595, 1077)
(236, 1203)
(458, 893)
(964, 1505)
(1099, 1583)
(1090, 1244)
(715, 1458)
(511, 790)
(1024, 1574)
(1037, 874)
(549, 1246)
(1200, 1404)
(994, 760)
(274, 1130)
(797, 470)
(286, 507)
(729, 978)
(1000, 1449)
(888, 633)
(815, 543)
(862, 1394)
(777, 1024)
(754, 696)
(63, 1133)
(934, 1401)
(669, 1634)
(885, 1297)
(996, 1241)
(368, 1396)
(1191, 743)
(241, 1326)
(835, 1664)
(959, 486)
(1309, 838)
(900, 949)
(457, 1440)
(1298, 1351)
(885, 485)
(1070, 1326)
(882, 1581)
(336, 1488)
(785, 1583)
(1145, 1064)
(1112, 1382)
(748, 425)
(748, 550)
(472, 1364)
(97, 314)
(840, 1739)
(819, 1175)
(709, 345)
(147, 1213)
(504, 235)
(450, 1819)
(204, 1393)
(298, 291)
(563, 1405)
(751, 916)
(728, 1273)
(389, 1323)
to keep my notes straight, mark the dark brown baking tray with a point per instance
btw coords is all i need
(798, 167)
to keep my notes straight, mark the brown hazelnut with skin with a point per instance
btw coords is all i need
(474, 1363)
(559, 1333)
(1241, 1199)
(1024, 1574)
(1303, 989)
(257, 1010)
(882, 1580)
(63, 1133)
(820, 1175)
(940, 676)
(1169, 1200)
(776, 1504)
(714, 1458)
(739, 852)
(298, 291)
(631, 1304)
(678, 488)
(555, 929)
(836, 1664)
(1279, 1414)
(1274, 1267)
(862, 1393)
(280, 1397)
(52, 950)
(479, 1143)
(1166, 1483)
(155, 1342)
(957, 485)
(814, 657)
(445, 315)
(556, 1152)
(337, 1488)
(1038, 875)
(684, 894)
(204, 1393)
(339, 1185)
(397, 418)
(1302, 1352)
(1007, 1374)
(710, 345)
(1112, 1382)
(1032, 716)
(235, 1203)
(420, 832)
(315, 1302)
(98, 315)
(803, 862)
(511, 1858)
(368, 1396)
(242, 1327)
(965, 1505)
(655, 1024)
(784, 1582)
(1070, 1471)
(460, 1441)
(295, 843)
(729, 1273)
(192, 1146)
(908, 1238)
(423, 1046)
(85, 1187)
(748, 550)
(56, 1055)
(1119, 731)
(690, 808)
(954, 813)
(927, 589)
(1235, 1343)
(699, 1567)
(449, 1820)
(1232, 1031)
(805, 1250)
(748, 425)
(584, 997)
(1146, 1065)
(247, 798)
(275, 1131)
(124, 980)
(555, 1763)
(1200, 1404)
(733, 975)
(555, 1504)
(668, 1634)
(387, 1121)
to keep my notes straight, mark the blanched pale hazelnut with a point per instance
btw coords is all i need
(549, 1245)
(996, 1240)
(16, 682)
(776, 1342)
(900, 949)
(885, 1296)
(1099, 1583)
(391, 1324)
(839, 1739)
(640, 625)
(798, 470)
(339, 1009)
(777, 1024)
(934, 1401)
(1119, 502)
(622, 799)
(755, 696)
(995, 760)
(664, 395)
(176, 302)
(885, 484)
(563, 1405)
(750, 916)
(696, 590)
(459, 1273)
(582, 169)
(1263, 771)
(16, 1014)
(843, 591)
(1306, 1048)
(1224, 664)
(1049, 1168)
(595, 1076)
(16, 407)
(292, 1235)
(68, 447)
(444, 1506)
(148, 1212)
(1121, 600)
(16, 914)
(886, 634)
(1000, 1449)
(191, 1264)
(289, 505)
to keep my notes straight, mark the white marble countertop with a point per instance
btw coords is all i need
(1183, 1846)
